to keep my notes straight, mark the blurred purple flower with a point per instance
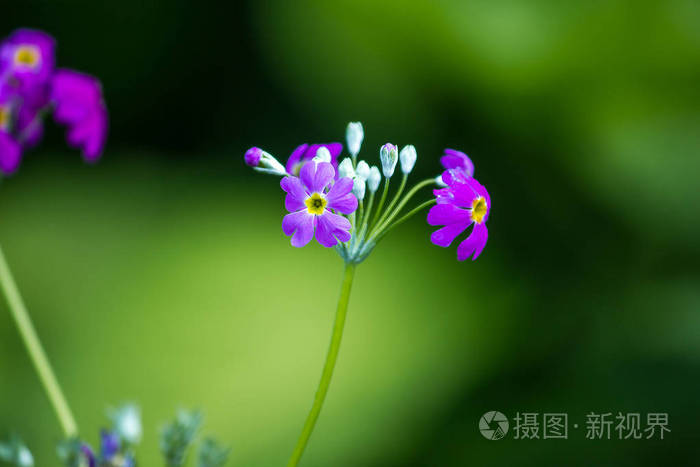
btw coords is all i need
(110, 444)
(453, 159)
(89, 455)
(10, 153)
(305, 152)
(462, 203)
(78, 103)
(310, 199)
(252, 156)
(27, 60)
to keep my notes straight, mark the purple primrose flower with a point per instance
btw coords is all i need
(78, 103)
(27, 59)
(305, 152)
(462, 203)
(310, 199)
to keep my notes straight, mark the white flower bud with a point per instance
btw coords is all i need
(439, 182)
(362, 170)
(24, 457)
(263, 161)
(358, 187)
(354, 136)
(345, 168)
(127, 423)
(408, 158)
(322, 155)
(389, 156)
(374, 178)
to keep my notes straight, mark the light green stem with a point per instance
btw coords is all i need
(396, 198)
(328, 367)
(405, 217)
(381, 203)
(36, 352)
(379, 228)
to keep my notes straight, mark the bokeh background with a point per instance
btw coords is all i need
(161, 275)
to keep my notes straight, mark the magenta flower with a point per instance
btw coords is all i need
(462, 203)
(310, 199)
(305, 152)
(453, 159)
(10, 153)
(78, 103)
(27, 59)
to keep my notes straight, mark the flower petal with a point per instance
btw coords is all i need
(295, 158)
(454, 159)
(10, 153)
(445, 214)
(301, 224)
(340, 197)
(331, 228)
(296, 194)
(474, 243)
(443, 237)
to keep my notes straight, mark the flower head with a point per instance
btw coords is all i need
(464, 202)
(306, 152)
(310, 199)
(27, 59)
(389, 156)
(362, 170)
(354, 136)
(453, 159)
(126, 421)
(408, 158)
(345, 168)
(78, 103)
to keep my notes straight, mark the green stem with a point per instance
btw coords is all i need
(381, 203)
(328, 367)
(405, 217)
(394, 200)
(35, 350)
(378, 229)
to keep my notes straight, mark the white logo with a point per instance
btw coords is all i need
(493, 425)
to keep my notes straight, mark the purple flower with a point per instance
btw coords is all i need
(305, 152)
(462, 203)
(10, 153)
(110, 444)
(89, 455)
(310, 199)
(453, 159)
(27, 59)
(78, 103)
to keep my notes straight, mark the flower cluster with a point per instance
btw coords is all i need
(31, 87)
(326, 198)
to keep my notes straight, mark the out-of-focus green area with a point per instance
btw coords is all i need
(162, 276)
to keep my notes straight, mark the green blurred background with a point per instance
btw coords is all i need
(161, 275)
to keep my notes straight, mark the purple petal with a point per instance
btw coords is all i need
(317, 176)
(294, 187)
(474, 243)
(331, 229)
(443, 237)
(301, 224)
(339, 189)
(454, 159)
(28, 76)
(445, 214)
(10, 153)
(294, 161)
(340, 197)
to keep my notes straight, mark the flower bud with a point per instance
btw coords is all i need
(345, 168)
(374, 178)
(252, 156)
(362, 170)
(322, 155)
(358, 187)
(126, 421)
(408, 158)
(24, 457)
(389, 156)
(354, 136)
(263, 162)
(439, 181)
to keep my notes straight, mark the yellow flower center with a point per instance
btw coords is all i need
(316, 204)
(27, 55)
(4, 118)
(478, 209)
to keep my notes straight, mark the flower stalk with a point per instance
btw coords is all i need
(329, 366)
(36, 351)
